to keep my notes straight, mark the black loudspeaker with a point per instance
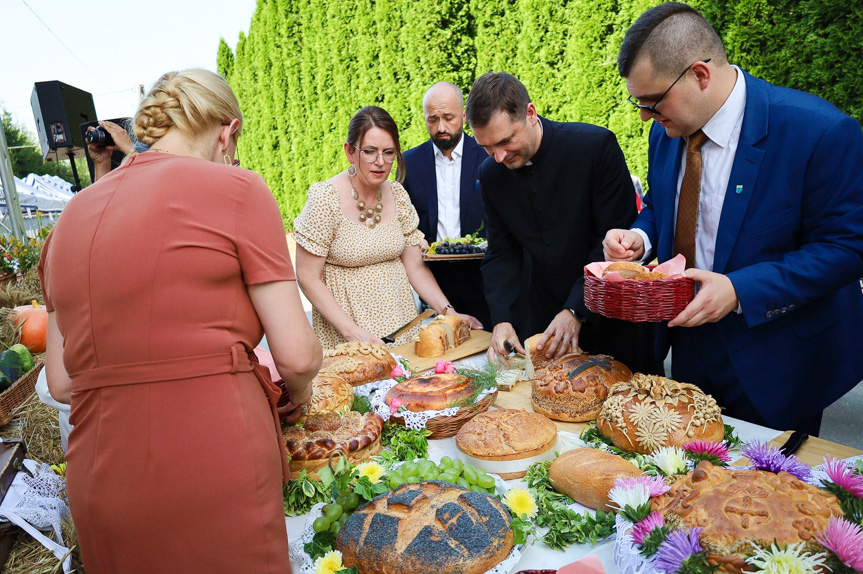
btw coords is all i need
(59, 109)
(117, 157)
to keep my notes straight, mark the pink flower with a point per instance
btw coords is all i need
(654, 484)
(717, 449)
(394, 405)
(845, 540)
(444, 367)
(844, 477)
(644, 527)
(397, 372)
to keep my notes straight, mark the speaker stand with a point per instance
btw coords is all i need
(77, 187)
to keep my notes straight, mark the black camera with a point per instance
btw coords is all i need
(99, 137)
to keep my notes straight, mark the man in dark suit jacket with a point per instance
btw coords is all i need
(774, 332)
(551, 191)
(450, 160)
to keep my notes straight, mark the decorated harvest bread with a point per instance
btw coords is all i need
(309, 445)
(627, 269)
(441, 335)
(574, 387)
(535, 357)
(358, 363)
(737, 508)
(427, 527)
(329, 394)
(648, 412)
(506, 435)
(432, 392)
(587, 474)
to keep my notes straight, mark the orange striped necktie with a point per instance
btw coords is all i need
(687, 205)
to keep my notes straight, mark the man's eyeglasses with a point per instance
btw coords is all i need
(370, 154)
(651, 109)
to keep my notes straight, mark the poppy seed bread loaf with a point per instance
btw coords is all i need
(427, 526)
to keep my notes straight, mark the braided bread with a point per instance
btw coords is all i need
(310, 445)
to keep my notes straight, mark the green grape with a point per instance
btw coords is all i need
(485, 481)
(342, 500)
(321, 524)
(394, 472)
(432, 475)
(469, 475)
(425, 466)
(448, 476)
(477, 488)
(342, 519)
(412, 479)
(395, 481)
(409, 469)
(445, 463)
(462, 482)
(353, 501)
(458, 465)
(344, 490)
(333, 511)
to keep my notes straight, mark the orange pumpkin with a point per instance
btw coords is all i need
(33, 320)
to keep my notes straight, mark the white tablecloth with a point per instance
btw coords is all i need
(539, 555)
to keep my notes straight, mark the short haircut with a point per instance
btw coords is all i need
(672, 35)
(374, 117)
(496, 92)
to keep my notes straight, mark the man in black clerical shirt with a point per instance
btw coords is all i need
(550, 195)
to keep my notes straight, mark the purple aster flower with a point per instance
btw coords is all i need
(717, 449)
(767, 457)
(680, 545)
(843, 475)
(644, 527)
(845, 540)
(655, 485)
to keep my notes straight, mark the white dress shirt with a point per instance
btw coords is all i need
(448, 175)
(717, 158)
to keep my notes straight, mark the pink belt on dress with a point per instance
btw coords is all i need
(238, 360)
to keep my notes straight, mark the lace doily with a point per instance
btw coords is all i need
(629, 559)
(307, 565)
(413, 420)
(369, 388)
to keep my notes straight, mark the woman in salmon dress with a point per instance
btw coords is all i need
(160, 279)
(358, 246)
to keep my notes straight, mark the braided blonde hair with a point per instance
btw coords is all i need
(190, 100)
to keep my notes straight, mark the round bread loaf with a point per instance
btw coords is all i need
(506, 435)
(648, 412)
(738, 508)
(358, 362)
(649, 276)
(309, 445)
(441, 335)
(587, 474)
(432, 392)
(574, 387)
(535, 357)
(627, 269)
(427, 527)
(329, 395)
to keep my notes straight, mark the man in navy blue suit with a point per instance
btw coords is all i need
(761, 187)
(441, 178)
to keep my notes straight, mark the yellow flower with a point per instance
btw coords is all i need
(372, 470)
(329, 563)
(521, 502)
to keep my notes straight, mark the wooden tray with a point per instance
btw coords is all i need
(478, 343)
(461, 257)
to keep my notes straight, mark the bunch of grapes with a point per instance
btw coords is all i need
(457, 248)
(335, 514)
(449, 470)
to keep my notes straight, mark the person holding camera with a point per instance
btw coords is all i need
(160, 280)
(358, 246)
(102, 141)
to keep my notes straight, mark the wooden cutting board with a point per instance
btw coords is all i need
(478, 343)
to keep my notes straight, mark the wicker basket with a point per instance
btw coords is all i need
(444, 427)
(638, 301)
(18, 393)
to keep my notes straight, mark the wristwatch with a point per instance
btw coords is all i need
(577, 316)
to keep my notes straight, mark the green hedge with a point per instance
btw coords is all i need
(306, 66)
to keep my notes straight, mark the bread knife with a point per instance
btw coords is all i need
(793, 443)
(391, 338)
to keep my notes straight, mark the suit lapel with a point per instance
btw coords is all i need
(666, 196)
(429, 180)
(744, 172)
(466, 186)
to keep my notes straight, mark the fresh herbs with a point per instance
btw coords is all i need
(731, 439)
(322, 543)
(361, 405)
(565, 526)
(599, 441)
(303, 493)
(403, 443)
(482, 379)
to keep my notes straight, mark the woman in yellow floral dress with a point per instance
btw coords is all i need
(358, 246)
